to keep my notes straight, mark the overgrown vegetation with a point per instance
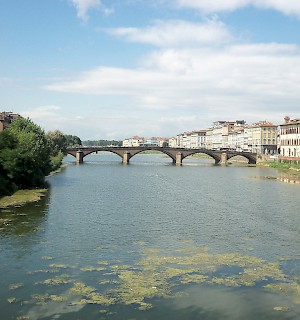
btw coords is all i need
(284, 164)
(28, 154)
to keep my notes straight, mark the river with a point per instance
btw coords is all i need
(152, 240)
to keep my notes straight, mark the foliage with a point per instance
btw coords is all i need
(28, 162)
(72, 141)
(57, 142)
(56, 160)
(27, 154)
(283, 164)
(24, 156)
(7, 144)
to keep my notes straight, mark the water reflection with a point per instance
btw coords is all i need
(26, 219)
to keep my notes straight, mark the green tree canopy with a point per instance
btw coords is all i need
(57, 141)
(25, 156)
(72, 141)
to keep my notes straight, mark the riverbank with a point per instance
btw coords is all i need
(289, 171)
(22, 197)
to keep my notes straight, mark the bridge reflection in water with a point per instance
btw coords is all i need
(176, 154)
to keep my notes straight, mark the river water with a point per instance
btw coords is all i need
(151, 240)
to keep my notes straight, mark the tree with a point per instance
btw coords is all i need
(7, 155)
(73, 141)
(57, 141)
(29, 160)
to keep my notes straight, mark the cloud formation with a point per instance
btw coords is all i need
(238, 78)
(182, 81)
(176, 33)
(83, 6)
(289, 7)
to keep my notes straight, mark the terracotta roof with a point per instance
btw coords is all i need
(291, 122)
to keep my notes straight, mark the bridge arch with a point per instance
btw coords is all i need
(164, 151)
(251, 159)
(213, 155)
(79, 154)
(102, 150)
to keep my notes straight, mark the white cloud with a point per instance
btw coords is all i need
(42, 112)
(207, 6)
(178, 85)
(51, 117)
(223, 81)
(83, 6)
(177, 33)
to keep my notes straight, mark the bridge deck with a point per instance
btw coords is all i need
(177, 154)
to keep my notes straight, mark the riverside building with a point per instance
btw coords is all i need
(262, 137)
(6, 118)
(290, 138)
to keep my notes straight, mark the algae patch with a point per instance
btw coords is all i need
(164, 275)
(14, 286)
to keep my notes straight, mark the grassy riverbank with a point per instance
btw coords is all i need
(288, 172)
(22, 197)
(284, 166)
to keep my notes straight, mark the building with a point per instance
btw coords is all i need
(262, 137)
(290, 138)
(172, 142)
(135, 141)
(198, 139)
(192, 139)
(238, 139)
(221, 131)
(6, 118)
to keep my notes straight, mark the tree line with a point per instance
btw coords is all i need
(28, 154)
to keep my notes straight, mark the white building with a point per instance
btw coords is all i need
(135, 141)
(290, 138)
(173, 142)
(192, 140)
(238, 139)
(221, 131)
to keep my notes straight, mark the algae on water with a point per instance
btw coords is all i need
(158, 274)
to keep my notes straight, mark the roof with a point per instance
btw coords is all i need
(291, 122)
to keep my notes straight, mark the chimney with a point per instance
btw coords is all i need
(287, 119)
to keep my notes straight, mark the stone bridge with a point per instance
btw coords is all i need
(176, 154)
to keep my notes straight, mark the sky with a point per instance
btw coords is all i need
(112, 69)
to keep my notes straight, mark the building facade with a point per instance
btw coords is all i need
(289, 145)
(135, 141)
(262, 137)
(6, 118)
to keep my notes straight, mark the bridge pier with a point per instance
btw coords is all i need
(178, 158)
(224, 158)
(126, 157)
(79, 157)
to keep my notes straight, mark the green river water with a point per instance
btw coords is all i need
(153, 241)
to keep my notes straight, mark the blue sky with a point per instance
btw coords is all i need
(112, 69)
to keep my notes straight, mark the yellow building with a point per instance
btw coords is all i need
(262, 137)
